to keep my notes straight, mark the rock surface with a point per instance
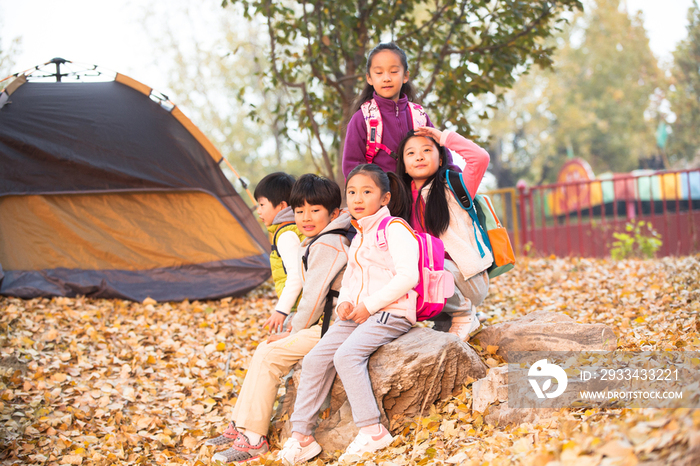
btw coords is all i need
(408, 375)
(547, 331)
(537, 331)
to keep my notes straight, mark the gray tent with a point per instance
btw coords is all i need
(108, 191)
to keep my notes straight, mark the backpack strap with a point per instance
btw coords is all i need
(328, 310)
(381, 230)
(456, 184)
(337, 231)
(418, 115)
(373, 120)
(273, 248)
(277, 233)
(328, 307)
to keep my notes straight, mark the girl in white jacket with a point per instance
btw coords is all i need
(422, 165)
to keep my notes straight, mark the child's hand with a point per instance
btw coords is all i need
(344, 310)
(278, 336)
(428, 132)
(359, 314)
(275, 322)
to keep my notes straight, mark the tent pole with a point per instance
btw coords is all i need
(243, 183)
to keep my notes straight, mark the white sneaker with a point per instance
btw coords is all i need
(365, 443)
(293, 453)
(466, 326)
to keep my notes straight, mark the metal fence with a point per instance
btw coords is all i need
(579, 218)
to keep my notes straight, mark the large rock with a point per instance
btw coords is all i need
(547, 331)
(408, 375)
(492, 392)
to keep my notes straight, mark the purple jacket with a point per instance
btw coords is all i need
(397, 121)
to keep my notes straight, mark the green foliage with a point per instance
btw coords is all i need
(317, 51)
(591, 104)
(212, 74)
(685, 98)
(634, 243)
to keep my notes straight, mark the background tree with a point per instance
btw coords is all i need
(595, 103)
(7, 57)
(684, 142)
(458, 49)
(213, 71)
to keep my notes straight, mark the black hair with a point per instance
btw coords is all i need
(316, 190)
(368, 92)
(437, 213)
(388, 182)
(276, 187)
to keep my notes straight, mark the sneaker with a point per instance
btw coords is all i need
(229, 436)
(242, 451)
(482, 316)
(465, 327)
(365, 443)
(293, 453)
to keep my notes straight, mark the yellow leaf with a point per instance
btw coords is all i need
(164, 439)
(221, 346)
(491, 349)
(72, 459)
(189, 442)
(149, 301)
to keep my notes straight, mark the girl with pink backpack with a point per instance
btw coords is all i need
(377, 304)
(384, 112)
(422, 165)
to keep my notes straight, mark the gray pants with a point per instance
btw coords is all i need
(468, 293)
(346, 348)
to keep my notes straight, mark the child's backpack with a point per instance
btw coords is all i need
(435, 284)
(484, 216)
(373, 119)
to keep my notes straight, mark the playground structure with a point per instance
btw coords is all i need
(578, 215)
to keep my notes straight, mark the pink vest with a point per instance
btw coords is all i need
(369, 268)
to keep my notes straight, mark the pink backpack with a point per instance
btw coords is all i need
(373, 119)
(435, 284)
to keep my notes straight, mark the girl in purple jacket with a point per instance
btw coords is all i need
(388, 84)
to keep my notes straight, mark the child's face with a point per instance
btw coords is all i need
(365, 198)
(267, 212)
(312, 219)
(421, 158)
(387, 75)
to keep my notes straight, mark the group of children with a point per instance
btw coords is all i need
(312, 258)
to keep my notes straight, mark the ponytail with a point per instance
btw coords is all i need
(400, 202)
(436, 216)
(368, 92)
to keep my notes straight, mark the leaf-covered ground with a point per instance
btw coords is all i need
(97, 382)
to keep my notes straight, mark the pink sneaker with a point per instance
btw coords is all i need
(229, 436)
(242, 451)
(466, 326)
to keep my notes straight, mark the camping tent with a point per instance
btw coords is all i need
(109, 191)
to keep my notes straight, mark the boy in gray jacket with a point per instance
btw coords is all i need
(323, 255)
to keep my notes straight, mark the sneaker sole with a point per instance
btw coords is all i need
(385, 442)
(224, 461)
(315, 451)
